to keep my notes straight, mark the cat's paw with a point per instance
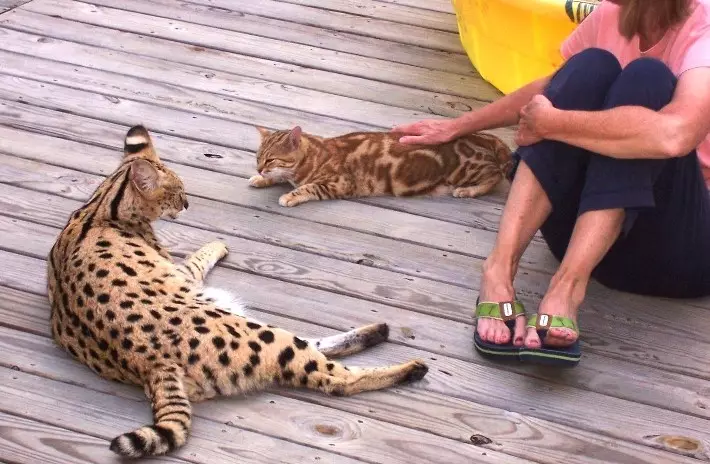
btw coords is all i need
(289, 199)
(259, 181)
(218, 248)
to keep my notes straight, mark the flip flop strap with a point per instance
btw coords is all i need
(506, 311)
(544, 322)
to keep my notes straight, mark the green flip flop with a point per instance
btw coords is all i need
(506, 311)
(563, 356)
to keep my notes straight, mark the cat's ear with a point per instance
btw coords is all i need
(144, 176)
(295, 137)
(263, 132)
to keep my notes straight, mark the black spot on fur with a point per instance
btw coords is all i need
(146, 302)
(197, 320)
(92, 267)
(193, 358)
(127, 344)
(146, 263)
(213, 314)
(234, 378)
(103, 244)
(88, 291)
(139, 253)
(224, 359)
(254, 360)
(248, 370)
(253, 325)
(175, 321)
(110, 315)
(89, 315)
(202, 330)
(286, 355)
(232, 331)
(134, 317)
(194, 343)
(330, 366)
(103, 345)
(234, 345)
(266, 336)
(149, 292)
(105, 256)
(103, 298)
(218, 342)
(80, 301)
(184, 289)
(101, 273)
(170, 309)
(288, 375)
(208, 372)
(133, 295)
(128, 304)
(100, 324)
(155, 314)
(300, 344)
(119, 283)
(142, 349)
(304, 380)
(310, 366)
(127, 269)
(80, 276)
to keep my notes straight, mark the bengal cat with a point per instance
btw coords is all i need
(368, 164)
(122, 306)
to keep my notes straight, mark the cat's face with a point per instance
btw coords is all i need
(278, 155)
(157, 191)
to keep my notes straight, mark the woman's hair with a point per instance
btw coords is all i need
(663, 15)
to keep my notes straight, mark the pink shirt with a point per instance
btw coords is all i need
(684, 47)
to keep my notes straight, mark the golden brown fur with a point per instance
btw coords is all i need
(366, 164)
(120, 305)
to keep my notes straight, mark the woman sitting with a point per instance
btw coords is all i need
(613, 161)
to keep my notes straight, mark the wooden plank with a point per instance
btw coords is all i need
(105, 416)
(443, 6)
(683, 351)
(6, 5)
(607, 415)
(229, 87)
(447, 266)
(390, 11)
(372, 37)
(481, 213)
(261, 47)
(39, 356)
(278, 417)
(27, 441)
(215, 59)
(280, 263)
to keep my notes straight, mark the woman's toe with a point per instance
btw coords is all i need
(532, 340)
(502, 335)
(519, 333)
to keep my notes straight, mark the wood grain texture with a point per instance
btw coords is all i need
(404, 14)
(6, 5)
(609, 416)
(269, 412)
(217, 61)
(262, 47)
(332, 30)
(105, 416)
(443, 6)
(26, 441)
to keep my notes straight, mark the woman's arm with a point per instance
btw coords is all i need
(637, 132)
(500, 113)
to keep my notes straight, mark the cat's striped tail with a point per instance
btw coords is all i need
(172, 414)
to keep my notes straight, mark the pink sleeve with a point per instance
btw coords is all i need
(584, 36)
(697, 55)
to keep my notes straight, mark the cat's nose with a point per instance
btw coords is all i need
(185, 204)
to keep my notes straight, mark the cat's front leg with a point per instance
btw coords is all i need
(201, 262)
(310, 192)
(260, 181)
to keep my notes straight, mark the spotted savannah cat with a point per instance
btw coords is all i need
(367, 164)
(121, 306)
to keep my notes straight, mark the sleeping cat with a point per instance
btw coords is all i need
(368, 164)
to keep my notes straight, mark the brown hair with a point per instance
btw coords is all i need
(663, 15)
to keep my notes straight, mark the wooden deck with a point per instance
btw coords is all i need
(74, 76)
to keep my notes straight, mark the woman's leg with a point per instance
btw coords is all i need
(548, 178)
(618, 196)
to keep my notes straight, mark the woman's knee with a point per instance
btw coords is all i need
(583, 81)
(646, 82)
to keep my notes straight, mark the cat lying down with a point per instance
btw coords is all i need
(368, 164)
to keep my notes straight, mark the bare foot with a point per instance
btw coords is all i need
(496, 286)
(563, 298)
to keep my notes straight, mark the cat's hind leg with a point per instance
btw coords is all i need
(473, 191)
(201, 262)
(351, 342)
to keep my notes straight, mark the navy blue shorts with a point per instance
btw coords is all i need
(664, 248)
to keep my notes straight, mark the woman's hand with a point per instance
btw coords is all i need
(534, 121)
(428, 131)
